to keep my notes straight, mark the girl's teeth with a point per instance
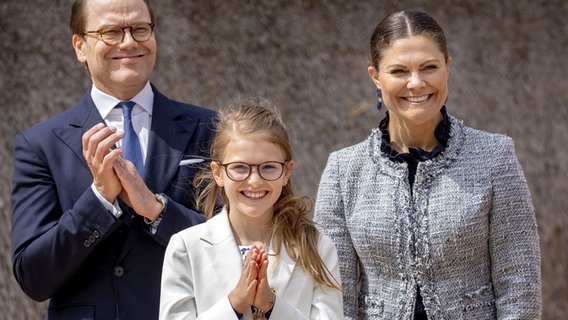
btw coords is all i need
(254, 195)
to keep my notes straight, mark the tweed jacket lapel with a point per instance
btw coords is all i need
(431, 168)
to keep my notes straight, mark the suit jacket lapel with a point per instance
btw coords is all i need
(168, 139)
(82, 117)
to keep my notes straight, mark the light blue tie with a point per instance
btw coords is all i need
(130, 142)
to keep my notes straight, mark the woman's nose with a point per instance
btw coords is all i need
(415, 81)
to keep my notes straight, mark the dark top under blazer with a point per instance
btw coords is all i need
(67, 246)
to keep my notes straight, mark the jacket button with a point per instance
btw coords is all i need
(86, 243)
(97, 234)
(92, 238)
(118, 271)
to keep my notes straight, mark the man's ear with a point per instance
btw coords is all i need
(79, 45)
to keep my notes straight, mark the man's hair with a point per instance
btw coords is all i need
(79, 16)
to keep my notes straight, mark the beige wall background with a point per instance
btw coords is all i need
(310, 57)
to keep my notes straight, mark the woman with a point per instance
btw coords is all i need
(432, 219)
(261, 257)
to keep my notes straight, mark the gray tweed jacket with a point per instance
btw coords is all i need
(466, 235)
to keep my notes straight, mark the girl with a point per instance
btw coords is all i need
(261, 257)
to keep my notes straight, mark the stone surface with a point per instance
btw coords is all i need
(310, 57)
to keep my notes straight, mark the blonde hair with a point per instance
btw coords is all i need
(293, 227)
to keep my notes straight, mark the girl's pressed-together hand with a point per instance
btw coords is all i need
(243, 295)
(264, 294)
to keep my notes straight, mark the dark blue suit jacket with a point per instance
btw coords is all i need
(67, 246)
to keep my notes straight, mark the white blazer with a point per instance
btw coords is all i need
(203, 264)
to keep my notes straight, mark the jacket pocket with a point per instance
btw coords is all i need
(371, 306)
(479, 304)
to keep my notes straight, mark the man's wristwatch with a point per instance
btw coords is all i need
(161, 198)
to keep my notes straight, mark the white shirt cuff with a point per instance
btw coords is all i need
(113, 208)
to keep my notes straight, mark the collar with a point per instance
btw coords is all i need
(442, 134)
(105, 102)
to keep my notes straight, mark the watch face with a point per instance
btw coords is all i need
(163, 200)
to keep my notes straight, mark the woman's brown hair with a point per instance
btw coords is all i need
(403, 24)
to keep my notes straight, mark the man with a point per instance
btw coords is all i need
(89, 231)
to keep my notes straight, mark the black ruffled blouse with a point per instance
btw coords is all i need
(415, 155)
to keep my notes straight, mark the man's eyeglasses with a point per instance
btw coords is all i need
(240, 171)
(114, 35)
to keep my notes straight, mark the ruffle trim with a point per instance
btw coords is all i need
(442, 134)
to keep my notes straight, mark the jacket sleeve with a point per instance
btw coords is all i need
(514, 242)
(175, 218)
(330, 216)
(327, 302)
(50, 243)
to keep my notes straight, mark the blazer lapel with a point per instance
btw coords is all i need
(280, 270)
(169, 135)
(222, 249)
(82, 117)
(226, 261)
